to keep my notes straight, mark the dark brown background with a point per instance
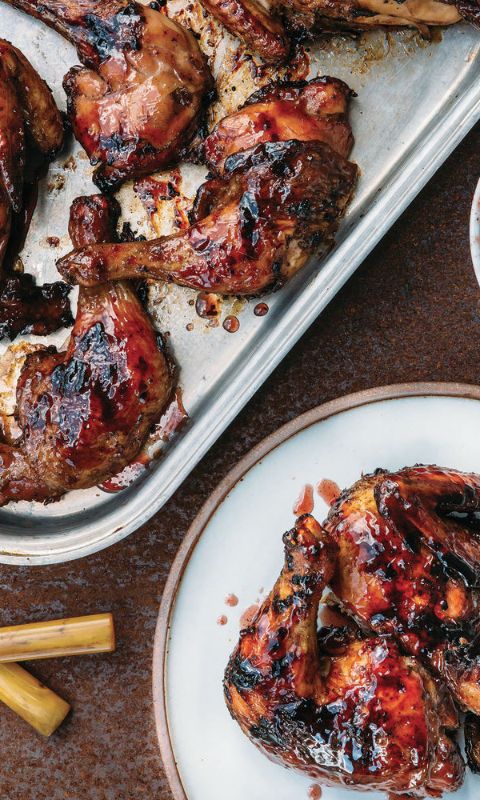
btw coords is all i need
(411, 312)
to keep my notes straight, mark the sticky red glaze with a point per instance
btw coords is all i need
(26, 104)
(363, 716)
(136, 101)
(248, 616)
(231, 324)
(28, 308)
(314, 792)
(100, 386)
(231, 600)
(260, 309)
(408, 568)
(85, 413)
(207, 304)
(328, 490)
(304, 503)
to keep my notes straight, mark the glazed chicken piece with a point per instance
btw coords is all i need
(253, 227)
(31, 133)
(313, 110)
(360, 714)
(409, 566)
(263, 31)
(85, 413)
(136, 102)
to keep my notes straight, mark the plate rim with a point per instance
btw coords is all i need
(319, 413)
(475, 232)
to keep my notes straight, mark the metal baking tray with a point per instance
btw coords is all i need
(416, 100)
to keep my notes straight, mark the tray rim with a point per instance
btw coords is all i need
(210, 507)
(409, 175)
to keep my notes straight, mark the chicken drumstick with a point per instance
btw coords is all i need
(253, 228)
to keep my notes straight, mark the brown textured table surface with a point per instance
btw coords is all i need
(411, 312)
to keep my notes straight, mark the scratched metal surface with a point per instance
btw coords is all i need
(416, 100)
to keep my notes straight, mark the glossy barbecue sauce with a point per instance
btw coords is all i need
(231, 600)
(260, 309)
(304, 503)
(248, 616)
(328, 491)
(155, 193)
(207, 305)
(231, 324)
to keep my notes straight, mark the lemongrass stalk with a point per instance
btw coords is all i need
(31, 700)
(62, 637)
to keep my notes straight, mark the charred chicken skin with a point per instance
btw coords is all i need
(307, 111)
(360, 714)
(31, 133)
(264, 32)
(409, 567)
(86, 413)
(253, 227)
(136, 101)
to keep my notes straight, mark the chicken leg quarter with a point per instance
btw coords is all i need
(137, 100)
(85, 413)
(366, 717)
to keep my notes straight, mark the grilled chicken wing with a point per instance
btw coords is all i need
(86, 413)
(366, 14)
(137, 100)
(264, 31)
(361, 714)
(253, 226)
(302, 110)
(40, 114)
(31, 133)
(409, 567)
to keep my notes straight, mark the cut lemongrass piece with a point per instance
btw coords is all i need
(62, 637)
(35, 703)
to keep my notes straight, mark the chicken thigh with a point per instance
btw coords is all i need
(315, 110)
(136, 101)
(409, 567)
(85, 413)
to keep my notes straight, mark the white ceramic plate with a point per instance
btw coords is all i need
(475, 232)
(235, 546)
